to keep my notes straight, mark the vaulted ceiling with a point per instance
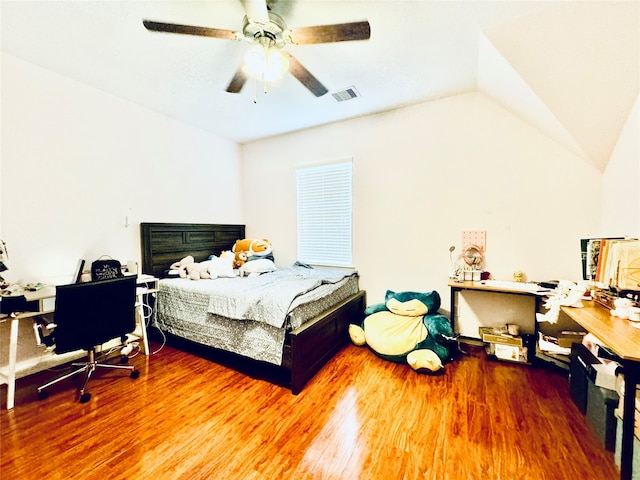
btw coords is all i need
(569, 68)
(572, 71)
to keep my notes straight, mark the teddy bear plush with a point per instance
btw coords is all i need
(407, 328)
(239, 259)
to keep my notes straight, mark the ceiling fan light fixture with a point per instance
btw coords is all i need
(265, 63)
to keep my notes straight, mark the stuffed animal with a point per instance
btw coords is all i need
(222, 266)
(196, 271)
(239, 259)
(181, 266)
(247, 248)
(188, 268)
(407, 329)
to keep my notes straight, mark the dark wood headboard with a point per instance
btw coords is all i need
(166, 243)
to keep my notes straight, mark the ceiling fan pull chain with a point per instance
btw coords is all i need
(255, 90)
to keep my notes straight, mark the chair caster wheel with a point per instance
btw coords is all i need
(85, 397)
(135, 374)
(124, 359)
(43, 394)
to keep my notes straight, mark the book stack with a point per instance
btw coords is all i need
(612, 262)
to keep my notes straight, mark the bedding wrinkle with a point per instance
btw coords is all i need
(269, 297)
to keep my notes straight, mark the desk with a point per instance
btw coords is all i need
(624, 339)
(525, 302)
(45, 299)
(146, 285)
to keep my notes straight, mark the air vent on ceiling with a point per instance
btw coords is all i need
(346, 94)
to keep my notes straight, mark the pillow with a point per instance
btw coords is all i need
(256, 267)
(170, 274)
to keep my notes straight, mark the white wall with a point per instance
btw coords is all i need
(621, 182)
(424, 173)
(76, 160)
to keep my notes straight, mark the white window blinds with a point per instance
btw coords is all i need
(324, 214)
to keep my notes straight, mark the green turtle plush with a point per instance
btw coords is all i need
(407, 328)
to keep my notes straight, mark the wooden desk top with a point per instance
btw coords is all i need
(618, 334)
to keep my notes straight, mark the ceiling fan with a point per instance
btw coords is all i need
(268, 33)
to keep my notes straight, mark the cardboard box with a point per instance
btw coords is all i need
(512, 353)
(491, 335)
(503, 346)
(567, 338)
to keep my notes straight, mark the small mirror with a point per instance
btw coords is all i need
(472, 255)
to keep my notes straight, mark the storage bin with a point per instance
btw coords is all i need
(581, 360)
(601, 405)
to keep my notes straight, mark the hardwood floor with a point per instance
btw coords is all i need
(359, 418)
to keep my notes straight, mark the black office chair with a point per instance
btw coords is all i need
(86, 316)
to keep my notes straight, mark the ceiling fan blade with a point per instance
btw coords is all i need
(306, 78)
(189, 30)
(256, 10)
(238, 81)
(340, 32)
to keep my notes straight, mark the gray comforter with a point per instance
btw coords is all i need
(268, 297)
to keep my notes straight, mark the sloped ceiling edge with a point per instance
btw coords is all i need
(581, 60)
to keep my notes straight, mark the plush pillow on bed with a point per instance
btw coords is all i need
(170, 274)
(256, 267)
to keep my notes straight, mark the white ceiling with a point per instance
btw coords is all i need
(419, 50)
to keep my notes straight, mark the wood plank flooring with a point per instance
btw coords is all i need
(359, 418)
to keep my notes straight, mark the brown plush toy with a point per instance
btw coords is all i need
(239, 259)
(245, 248)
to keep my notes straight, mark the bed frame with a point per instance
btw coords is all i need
(307, 349)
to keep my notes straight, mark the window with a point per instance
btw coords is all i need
(324, 214)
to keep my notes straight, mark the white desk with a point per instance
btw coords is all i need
(146, 285)
(45, 299)
(499, 305)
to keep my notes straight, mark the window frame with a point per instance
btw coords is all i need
(324, 213)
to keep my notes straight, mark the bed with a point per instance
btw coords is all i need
(288, 351)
